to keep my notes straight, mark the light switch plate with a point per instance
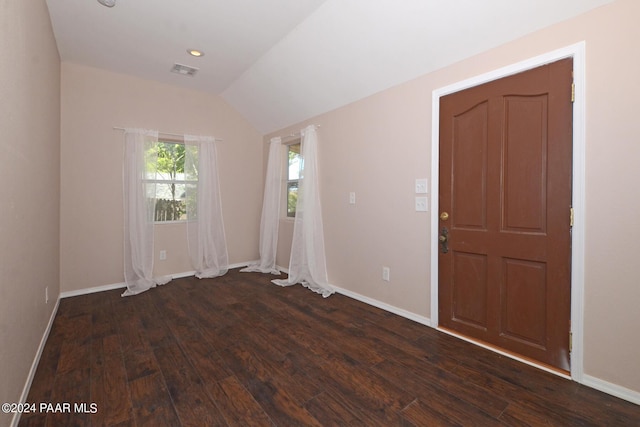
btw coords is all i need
(422, 186)
(352, 198)
(421, 204)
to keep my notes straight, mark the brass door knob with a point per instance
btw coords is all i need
(444, 240)
(444, 216)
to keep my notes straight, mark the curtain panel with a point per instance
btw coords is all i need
(307, 264)
(205, 227)
(270, 219)
(140, 158)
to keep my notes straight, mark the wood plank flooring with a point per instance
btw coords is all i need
(239, 351)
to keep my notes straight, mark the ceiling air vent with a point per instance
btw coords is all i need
(184, 70)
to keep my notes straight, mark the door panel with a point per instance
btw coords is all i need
(470, 297)
(524, 292)
(524, 167)
(505, 180)
(470, 166)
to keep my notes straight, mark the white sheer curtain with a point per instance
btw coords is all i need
(139, 204)
(205, 228)
(270, 212)
(307, 264)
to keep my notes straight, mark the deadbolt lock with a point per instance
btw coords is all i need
(444, 216)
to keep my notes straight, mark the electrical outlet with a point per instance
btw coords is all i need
(385, 273)
(352, 198)
(163, 255)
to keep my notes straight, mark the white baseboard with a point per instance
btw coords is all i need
(104, 288)
(185, 274)
(35, 363)
(612, 389)
(384, 306)
(87, 291)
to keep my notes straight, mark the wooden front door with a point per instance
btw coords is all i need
(505, 203)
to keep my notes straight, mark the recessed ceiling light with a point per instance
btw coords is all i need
(108, 3)
(195, 52)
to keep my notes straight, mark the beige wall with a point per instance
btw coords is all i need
(93, 102)
(378, 147)
(30, 191)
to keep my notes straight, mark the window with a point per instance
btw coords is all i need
(294, 166)
(169, 183)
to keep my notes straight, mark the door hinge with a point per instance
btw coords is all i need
(573, 92)
(570, 341)
(571, 217)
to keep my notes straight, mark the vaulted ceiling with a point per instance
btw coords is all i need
(279, 62)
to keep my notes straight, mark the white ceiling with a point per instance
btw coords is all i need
(279, 62)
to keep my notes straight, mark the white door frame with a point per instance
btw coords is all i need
(577, 52)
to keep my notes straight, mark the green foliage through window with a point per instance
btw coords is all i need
(294, 168)
(168, 177)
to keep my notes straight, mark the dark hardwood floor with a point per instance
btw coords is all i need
(239, 351)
